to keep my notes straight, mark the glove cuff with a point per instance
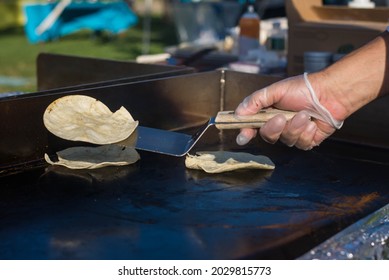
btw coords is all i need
(322, 113)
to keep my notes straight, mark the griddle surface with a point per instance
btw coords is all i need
(157, 209)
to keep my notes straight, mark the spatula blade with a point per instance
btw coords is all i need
(162, 141)
(178, 144)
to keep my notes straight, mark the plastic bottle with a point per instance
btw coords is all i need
(276, 40)
(249, 25)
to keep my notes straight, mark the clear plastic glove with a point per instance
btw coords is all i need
(310, 126)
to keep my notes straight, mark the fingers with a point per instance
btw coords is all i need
(250, 105)
(272, 130)
(245, 135)
(295, 128)
(300, 132)
(306, 140)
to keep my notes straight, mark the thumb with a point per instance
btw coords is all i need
(253, 103)
(258, 100)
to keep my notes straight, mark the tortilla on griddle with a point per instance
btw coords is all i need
(83, 118)
(221, 161)
(95, 157)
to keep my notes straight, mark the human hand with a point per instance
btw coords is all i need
(312, 124)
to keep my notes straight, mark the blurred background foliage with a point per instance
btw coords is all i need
(18, 56)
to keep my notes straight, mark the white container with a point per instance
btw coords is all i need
(361, 4)
(315, 61)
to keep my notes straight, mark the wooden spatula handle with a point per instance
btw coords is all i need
(228, 120)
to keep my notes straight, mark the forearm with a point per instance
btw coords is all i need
(355, 80)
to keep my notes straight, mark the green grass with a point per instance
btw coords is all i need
(17, 55)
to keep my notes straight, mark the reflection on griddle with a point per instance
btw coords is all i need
(101, 175)
(347, 205)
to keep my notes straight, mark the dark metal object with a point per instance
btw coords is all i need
(156, 208)
(58, 71)
(202, 58)
(169, 142)
(197, 56)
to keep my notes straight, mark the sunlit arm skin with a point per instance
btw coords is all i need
(355, 80)
(342, 88)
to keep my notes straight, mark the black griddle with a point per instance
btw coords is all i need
(57, 72)
(158, 209)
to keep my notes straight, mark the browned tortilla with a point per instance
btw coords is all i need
(83, 118)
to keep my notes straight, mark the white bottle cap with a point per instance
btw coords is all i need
(361, 4)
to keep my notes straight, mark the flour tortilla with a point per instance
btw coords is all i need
(221, 161)
(95, 157)
(83, 118)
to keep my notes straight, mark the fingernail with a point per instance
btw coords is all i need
(300, 120)
(242, 140)
(245, 102)
(241, 109)
(311, 127)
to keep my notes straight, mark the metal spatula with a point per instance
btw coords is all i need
(178, 144)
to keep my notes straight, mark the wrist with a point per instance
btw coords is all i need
(330, 95)
(320, 111)
(355, 80)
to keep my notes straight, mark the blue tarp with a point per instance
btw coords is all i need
(113, 17)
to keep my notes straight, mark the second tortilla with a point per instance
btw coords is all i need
(221, 161)
(95, 157)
